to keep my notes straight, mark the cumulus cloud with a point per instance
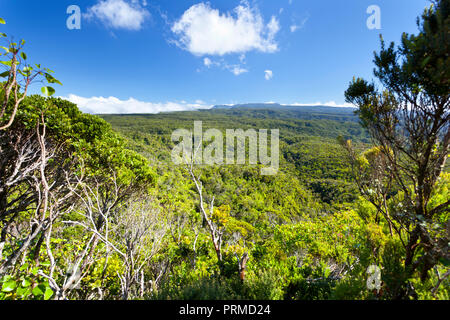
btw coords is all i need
(268, 74)
(203, 30)
(113, 105)
(119, 14)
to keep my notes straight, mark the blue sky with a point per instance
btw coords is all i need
(165, 55)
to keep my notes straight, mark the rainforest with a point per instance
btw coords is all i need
(93, 207)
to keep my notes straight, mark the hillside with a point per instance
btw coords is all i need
(309, 147)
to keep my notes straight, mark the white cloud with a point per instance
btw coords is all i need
(328, 104)
(273, 27)
(268, 74)
(203, 30)
(294, 27)
(113, 105)
(207, 62)
(237, 70)
(299, 26)
(119, 14)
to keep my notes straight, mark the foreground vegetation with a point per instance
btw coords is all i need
(93, 208)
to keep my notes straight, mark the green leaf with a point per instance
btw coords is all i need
(24, 56)
(48, 91)
(9, 286)
(51, 79)
(23, 292)
(6, 278)
(48, 293)
(2, 21)
(26, 283)
(4, 74)
(425, 61)
(24, 267)
(39, 290)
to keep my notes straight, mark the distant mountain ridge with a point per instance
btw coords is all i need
(279, 111)
(281, 107)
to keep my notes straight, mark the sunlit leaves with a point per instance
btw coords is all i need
(48, 91)
(42, 291)
(51, 79)
(6, 63)
(9, 285)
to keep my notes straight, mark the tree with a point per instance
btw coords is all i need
(59, 163)
(215, 230)
(218, 221)
(33, 184)
(141, 229)
(408, 122)
(19, 76)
